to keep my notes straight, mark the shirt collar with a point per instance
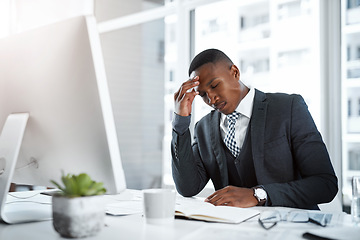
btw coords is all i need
(246, 105)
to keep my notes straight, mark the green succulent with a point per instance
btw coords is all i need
(79, 186)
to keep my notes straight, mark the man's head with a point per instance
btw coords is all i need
(209, 56)
(219, 85)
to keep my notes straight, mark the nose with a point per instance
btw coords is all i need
(211, 98)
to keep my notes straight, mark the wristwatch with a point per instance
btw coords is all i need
(260, 194)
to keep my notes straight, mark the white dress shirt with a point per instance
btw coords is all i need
(245, 109)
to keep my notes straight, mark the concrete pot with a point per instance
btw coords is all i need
(78, 217)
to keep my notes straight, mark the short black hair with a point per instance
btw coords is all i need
(208, 56)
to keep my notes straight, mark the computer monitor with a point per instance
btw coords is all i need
(57, 75)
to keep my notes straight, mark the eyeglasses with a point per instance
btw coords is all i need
(269, 219)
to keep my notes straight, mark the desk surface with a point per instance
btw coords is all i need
(134, 227)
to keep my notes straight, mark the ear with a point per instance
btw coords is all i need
(235, 71)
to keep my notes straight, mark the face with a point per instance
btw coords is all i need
(219, 86)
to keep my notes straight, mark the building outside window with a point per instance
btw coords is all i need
(351, 94)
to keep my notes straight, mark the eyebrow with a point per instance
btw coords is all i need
(211, 81)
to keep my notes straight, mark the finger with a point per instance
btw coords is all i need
(195, 78)
(222, 202)
(176, 95)
(213, 198)
(191, 95)
(220, 191)
(210, 197)
(186, 86)
(191, 82)
(189, 86)
(188, 95)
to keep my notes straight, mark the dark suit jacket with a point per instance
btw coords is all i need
(290, 157)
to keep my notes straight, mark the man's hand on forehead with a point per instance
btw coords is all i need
(192, 78)
(185, 95)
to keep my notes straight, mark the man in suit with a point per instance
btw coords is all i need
(257, 148)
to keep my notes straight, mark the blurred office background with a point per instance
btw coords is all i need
(310, 47)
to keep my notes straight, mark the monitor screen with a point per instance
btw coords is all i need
(56, 74)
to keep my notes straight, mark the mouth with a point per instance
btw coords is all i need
(219, 106)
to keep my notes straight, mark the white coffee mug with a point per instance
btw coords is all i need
(159, 205)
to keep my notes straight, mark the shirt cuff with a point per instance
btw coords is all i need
(180, 123)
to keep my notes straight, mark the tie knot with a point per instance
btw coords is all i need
(233, 117)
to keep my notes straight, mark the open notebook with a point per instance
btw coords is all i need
(197, 209)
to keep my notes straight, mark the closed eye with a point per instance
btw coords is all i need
(214, 86)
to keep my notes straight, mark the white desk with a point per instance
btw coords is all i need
(134, 227)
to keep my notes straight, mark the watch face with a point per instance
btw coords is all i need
(260, 193)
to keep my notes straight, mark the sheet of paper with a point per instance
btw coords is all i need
(124, 207)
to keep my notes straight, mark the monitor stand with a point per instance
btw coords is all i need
(10, 142)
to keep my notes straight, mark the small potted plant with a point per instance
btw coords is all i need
(78, 209)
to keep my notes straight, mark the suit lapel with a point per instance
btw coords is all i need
(258, 132)
(217, 146)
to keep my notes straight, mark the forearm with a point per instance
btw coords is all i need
(303, 193)
(316, 182)
(187, 169)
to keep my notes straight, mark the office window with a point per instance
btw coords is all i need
(351, 94)
(134, 62)
(267, 46)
